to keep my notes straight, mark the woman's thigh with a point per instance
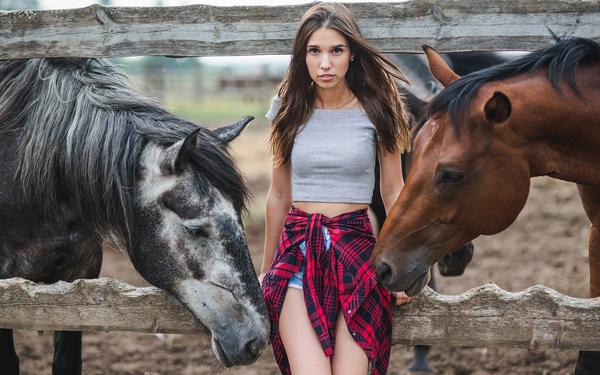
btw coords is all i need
(348, 357)
(301, 343)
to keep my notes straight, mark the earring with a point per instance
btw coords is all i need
(352, 59)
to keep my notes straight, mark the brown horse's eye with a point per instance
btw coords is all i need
(452, 177)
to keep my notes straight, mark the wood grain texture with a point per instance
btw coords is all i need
(101, 304)
(203, 30)
(487, 316)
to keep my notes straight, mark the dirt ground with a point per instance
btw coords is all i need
(546, 245)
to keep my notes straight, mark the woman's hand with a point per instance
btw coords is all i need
(401, 298)
(261, 277)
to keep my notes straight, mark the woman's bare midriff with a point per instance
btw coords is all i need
(329, 209)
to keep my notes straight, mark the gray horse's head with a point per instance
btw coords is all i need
(188, 238)
(161, 185)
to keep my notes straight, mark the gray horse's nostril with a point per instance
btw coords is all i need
(253, 349)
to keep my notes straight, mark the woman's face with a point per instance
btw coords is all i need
(327, 57)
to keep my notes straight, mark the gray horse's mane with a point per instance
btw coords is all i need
(82, 129)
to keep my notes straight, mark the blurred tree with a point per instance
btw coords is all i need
(19, 4)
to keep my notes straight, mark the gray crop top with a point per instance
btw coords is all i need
(333, 158)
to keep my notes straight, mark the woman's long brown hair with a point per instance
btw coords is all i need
(372, 78)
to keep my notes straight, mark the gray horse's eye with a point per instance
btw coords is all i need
(197, 232)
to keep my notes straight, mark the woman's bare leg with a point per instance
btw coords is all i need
(301, 343)
(348, 357)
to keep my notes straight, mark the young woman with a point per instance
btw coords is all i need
(337, 109)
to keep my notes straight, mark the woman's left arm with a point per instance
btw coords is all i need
(391, 184)
(390, 180)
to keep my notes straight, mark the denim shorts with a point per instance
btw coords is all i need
(296, 279)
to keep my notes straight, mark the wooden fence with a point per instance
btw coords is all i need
(536, 318)
(487, 316)
(201, 30)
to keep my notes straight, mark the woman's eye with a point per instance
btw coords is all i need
(313, 50)
(197, 232)
(452, 177)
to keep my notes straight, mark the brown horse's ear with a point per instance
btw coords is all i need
(438, 67)
(497, 110)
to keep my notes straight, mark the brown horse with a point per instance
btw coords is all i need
(488, 133)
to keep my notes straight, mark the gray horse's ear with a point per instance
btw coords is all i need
(229, 132)
(175, 156)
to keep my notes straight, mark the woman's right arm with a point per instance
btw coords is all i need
(279, 202)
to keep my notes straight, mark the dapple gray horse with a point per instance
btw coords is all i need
(84, 158)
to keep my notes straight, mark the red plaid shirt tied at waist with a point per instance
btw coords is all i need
(339, 279)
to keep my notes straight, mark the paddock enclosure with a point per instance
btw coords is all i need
(546, 244)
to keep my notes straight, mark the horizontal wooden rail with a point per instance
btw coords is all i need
(203, 30)
(487, 316)
(101, 304)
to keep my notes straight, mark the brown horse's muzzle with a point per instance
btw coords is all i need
(406, 276)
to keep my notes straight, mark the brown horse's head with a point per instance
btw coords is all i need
(469, 177)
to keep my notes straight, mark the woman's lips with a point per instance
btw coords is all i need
(326, 77)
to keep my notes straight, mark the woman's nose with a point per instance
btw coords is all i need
(325, 62)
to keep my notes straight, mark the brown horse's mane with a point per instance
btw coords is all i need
(561, 58)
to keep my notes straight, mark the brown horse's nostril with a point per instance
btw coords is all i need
(385, 274)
